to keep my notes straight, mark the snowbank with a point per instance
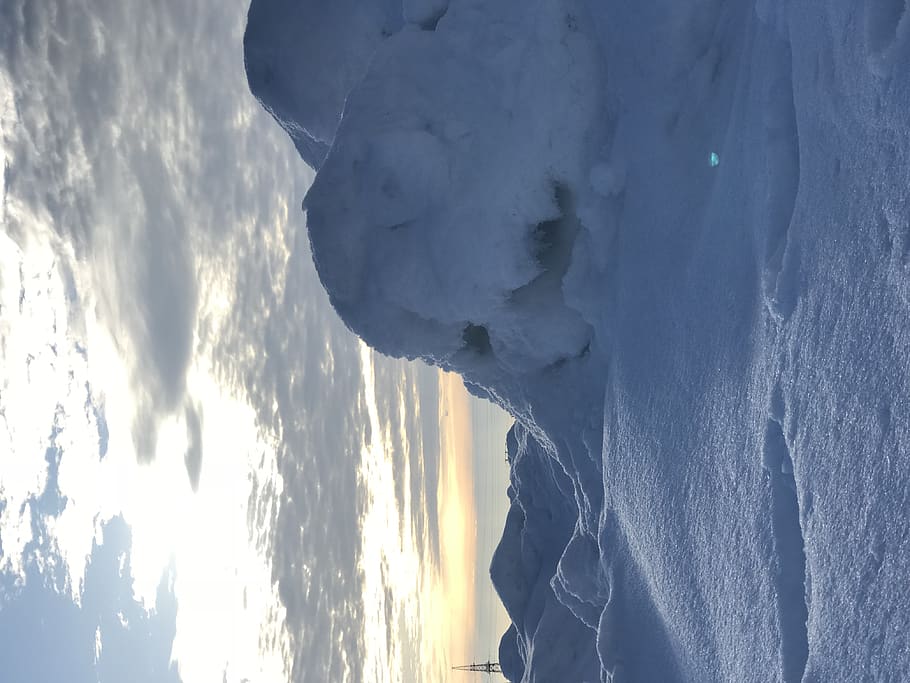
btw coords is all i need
(708, 361)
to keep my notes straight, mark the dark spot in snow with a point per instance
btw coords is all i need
(477, 339)
(789, 546)
(432, 22)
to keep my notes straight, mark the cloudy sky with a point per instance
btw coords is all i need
(203, 475)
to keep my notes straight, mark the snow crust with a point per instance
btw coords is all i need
(708, 366)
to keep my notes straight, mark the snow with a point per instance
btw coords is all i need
(476, 280)
(708, 365)
(302, 59)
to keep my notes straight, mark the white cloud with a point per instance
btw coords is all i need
(29, 383)
(98, 644)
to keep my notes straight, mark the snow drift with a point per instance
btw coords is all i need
(708, 363)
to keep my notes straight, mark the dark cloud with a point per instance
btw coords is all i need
(193, 457)
(164, 282)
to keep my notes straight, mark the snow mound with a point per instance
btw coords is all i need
(444, 219)
(547, 641)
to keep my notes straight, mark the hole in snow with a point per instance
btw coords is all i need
(477, 339)
(552, 241)
(431, 23)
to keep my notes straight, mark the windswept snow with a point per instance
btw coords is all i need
(708, 364)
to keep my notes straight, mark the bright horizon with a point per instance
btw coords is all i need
(474, 478)
(457, 517)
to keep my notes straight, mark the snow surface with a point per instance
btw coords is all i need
(708, 365)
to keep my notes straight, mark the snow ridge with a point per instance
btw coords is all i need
(791, 559)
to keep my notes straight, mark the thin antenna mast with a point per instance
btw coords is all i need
(486, 667)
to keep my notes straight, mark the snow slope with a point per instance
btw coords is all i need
(708, 364)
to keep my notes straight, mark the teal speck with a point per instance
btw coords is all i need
(714, 160)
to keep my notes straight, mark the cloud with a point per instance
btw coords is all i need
(406, 396)
(109, 177)
(193, 457)
(161, 314)
(99, 648)
(165, 192)
(132, 154)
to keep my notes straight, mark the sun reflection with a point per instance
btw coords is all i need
(458, 529)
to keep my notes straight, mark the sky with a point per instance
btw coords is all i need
(201, 469)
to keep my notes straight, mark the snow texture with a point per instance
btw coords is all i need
(708, 366)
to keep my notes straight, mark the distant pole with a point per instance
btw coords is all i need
(486, 667)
